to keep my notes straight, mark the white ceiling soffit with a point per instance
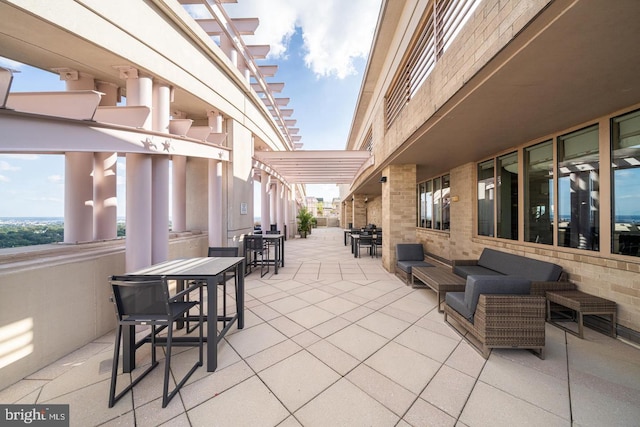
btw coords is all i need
(315, 167)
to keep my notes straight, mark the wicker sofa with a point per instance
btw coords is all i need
(504, 303)
(544, 276)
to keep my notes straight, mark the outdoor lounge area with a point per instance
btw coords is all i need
(337, 340)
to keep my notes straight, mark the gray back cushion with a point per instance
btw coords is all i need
(510, 264)
(476, 285)
(409, 252)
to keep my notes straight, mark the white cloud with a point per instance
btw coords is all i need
(4, 178)
(55, 179)
(6, 166)
(335, 32)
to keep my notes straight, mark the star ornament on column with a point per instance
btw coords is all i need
(149, 144)
(166, 145)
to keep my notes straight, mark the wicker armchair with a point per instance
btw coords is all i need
(499, 320)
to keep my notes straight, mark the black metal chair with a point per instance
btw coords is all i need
(377, 243)
(146, 301)
(256, 246)
(366, 241)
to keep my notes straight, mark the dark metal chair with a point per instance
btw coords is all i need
(256, 246)
(146, 301)
(377, 243)
(366, 241)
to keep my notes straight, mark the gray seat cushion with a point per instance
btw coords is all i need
(406, 265)
(409, 252)
(470, 270)
(456, 301)
(510, 264)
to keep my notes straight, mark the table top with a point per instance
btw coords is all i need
(189, 267)
(265, 236)
(442, 276)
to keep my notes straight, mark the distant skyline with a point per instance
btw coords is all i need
(321, 53)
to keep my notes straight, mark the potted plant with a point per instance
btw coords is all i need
(304, 222)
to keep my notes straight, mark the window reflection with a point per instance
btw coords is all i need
(426, 205)
(486, 191)
(434, 203)
(625, 158)
(507, 196)
(579, 190)
(539, 193)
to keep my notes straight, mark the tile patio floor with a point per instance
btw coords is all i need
(338, 341)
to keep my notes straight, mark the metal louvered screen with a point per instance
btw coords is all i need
(440, 25)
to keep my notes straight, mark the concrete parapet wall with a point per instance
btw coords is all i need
(56, 300)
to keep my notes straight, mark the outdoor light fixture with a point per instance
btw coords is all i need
(383, 179)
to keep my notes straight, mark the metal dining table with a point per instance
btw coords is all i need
(190, 269)
(274, 240)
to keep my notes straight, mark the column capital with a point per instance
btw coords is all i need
(67, 74)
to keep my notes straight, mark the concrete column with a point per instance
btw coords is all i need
(82, 82)
(265, 219)
(215, 120)
(179, 194)
(78, 197)
(139, 183)
(279, 206)
(287, 210)
(111, 93)
(160, 119)
(228, 49)
(399, 205)
(160, 209)
(105, 198)
(139, 221)
(105, 180)
(215, 203)
(161, 110)
(273, 204)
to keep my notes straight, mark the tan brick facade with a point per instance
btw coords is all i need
(398, 210)
(487, 46)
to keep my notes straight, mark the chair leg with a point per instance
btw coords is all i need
(113, 398)
(166, 395)
(114, 367)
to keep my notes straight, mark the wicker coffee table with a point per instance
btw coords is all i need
(583, 304)
(441, 280)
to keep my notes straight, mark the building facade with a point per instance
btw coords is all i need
(509, 125)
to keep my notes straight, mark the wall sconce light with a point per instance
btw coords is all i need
(383, 179)
(455, 198)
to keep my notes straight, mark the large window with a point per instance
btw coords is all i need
(498, 197)
(425, 204)
(538, 225)
(486, 192)
(434, 203)
(507, 196)
(579, 189)
(625, 177)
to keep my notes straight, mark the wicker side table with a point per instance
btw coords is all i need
(583, 304)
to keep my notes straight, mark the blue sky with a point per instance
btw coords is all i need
(320, 51)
